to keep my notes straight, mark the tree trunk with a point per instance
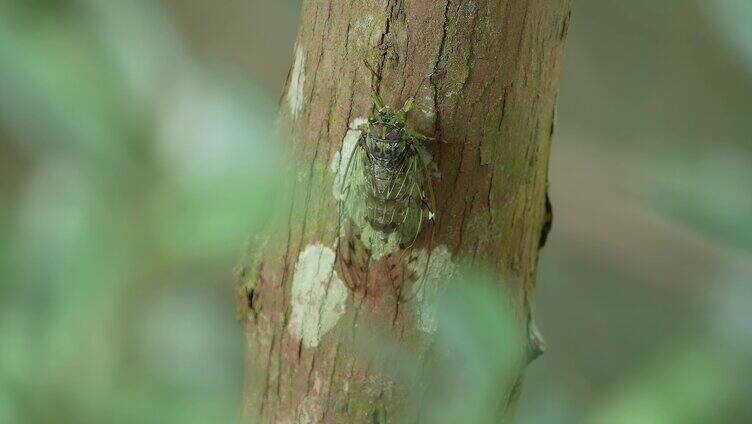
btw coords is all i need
(485, 75)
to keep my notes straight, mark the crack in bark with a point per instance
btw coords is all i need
(384, 44)
(436, 71)
(565, 26)
(465, 212)
(286, 259)
(548, 220)
(265, 395)
(335, 362)
(471, 54)
(518, 53)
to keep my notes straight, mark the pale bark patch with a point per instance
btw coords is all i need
(295, 92)
(319, 296)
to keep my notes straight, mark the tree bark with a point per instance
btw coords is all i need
(485, 75)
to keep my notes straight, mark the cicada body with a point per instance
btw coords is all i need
(387, 183)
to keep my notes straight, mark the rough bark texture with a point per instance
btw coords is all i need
(484, 74)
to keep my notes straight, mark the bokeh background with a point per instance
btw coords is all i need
(134, 162)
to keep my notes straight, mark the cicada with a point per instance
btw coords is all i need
(387, 187)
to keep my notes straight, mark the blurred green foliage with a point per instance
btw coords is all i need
(133, 172)
(465, 374)
(134, 160)
(643, 291)
(476, 342)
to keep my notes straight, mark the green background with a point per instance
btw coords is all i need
(135, 159)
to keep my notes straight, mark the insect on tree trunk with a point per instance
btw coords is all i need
(485, 76)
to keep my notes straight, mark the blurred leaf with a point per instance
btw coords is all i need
(128, 144)
(8, 405)
(731, 19)
(57, 92)
(707, 192)
(729, 312)
(222, 171)
(140, 41)
(474, 357)
(476, 330)
(684, 386)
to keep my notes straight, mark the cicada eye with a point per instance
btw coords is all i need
(394, 134)
(372, 119)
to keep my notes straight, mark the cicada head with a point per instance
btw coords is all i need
(385, 116)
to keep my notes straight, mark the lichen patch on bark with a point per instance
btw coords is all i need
(428, 283)
(295, 93)
(319, 296)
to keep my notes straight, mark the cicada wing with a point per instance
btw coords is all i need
(416, 213)
(352, 207)
(428, 195)
(354, 186)
(421, 213)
